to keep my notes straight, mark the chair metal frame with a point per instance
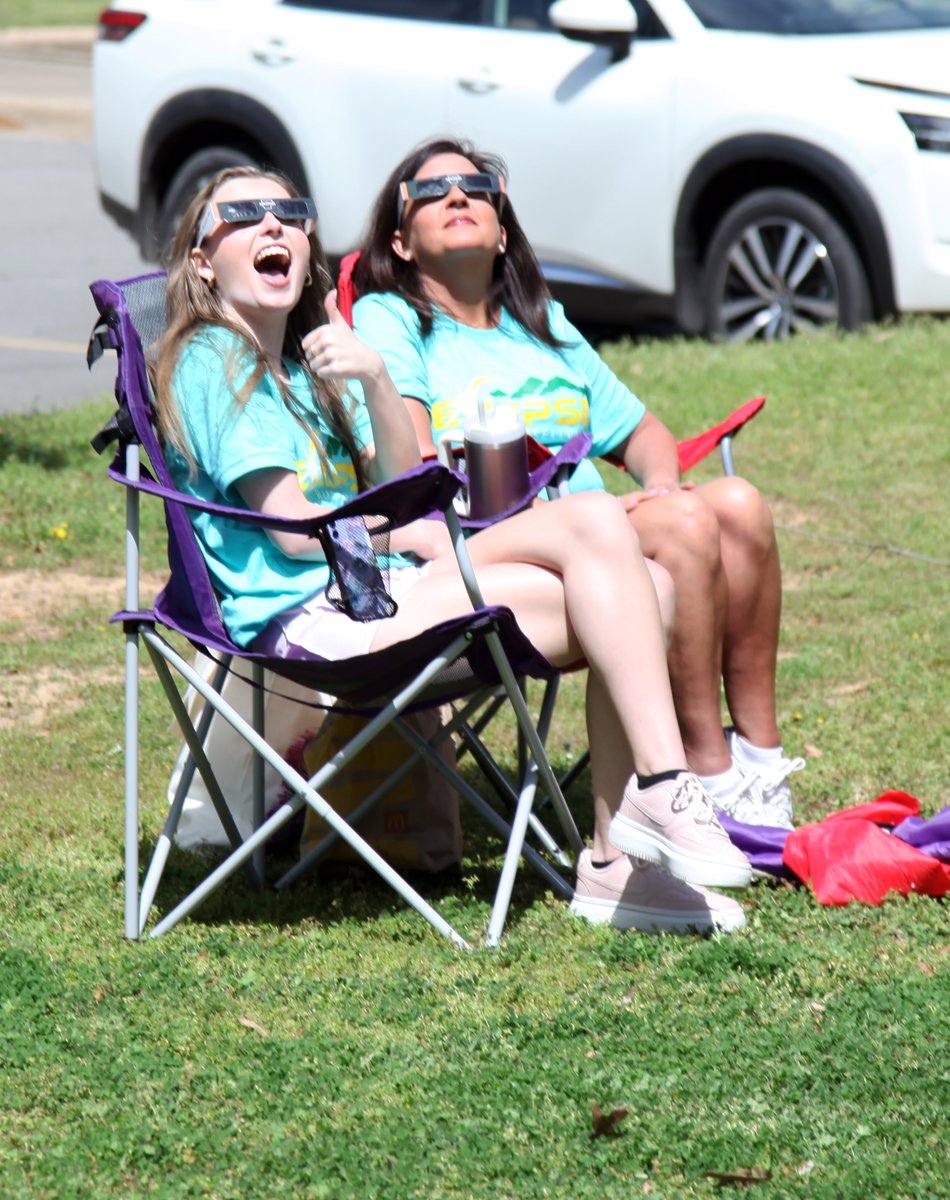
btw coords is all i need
(487, 644)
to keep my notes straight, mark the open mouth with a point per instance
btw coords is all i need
(273, 263)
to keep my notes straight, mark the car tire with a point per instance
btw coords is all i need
(779, 263)
(190, 177)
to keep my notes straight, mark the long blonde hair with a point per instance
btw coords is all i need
(191, 305)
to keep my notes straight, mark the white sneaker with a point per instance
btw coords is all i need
(764, 796)
(629, 894)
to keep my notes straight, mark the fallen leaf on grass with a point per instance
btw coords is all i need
(850, 689)
(604, 1125)
(812, 751)
(249, 1024)
(744, 1176)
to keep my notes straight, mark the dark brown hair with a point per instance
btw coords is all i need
(517, 281)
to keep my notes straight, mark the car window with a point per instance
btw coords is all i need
(822, 16)
(533, 14)
(452, 12)
(523, 14)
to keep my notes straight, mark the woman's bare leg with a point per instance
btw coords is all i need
(680, 531)
(750, 559)
(579, 588)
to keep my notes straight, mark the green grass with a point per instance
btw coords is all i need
(326, 1044)
(16, 14)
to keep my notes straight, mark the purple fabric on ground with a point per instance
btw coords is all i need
(931, 835)
(761, 844)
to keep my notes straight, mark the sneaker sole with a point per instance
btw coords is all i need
(651, 846)
(651, 920)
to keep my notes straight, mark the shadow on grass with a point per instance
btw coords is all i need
(336, 892)
(33, 453)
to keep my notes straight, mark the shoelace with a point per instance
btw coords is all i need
(774, 777)
(760, 787)
(689, 791)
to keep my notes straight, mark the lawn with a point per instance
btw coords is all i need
(16, 14)
(325, 1043)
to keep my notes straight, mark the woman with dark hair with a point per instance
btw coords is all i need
(268, 400)
(453, 298)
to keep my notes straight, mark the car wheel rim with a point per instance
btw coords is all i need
(779, 280)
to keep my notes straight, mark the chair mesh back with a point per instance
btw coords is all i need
(145, 300)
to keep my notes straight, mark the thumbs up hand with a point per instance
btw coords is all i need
(334, 316)
(335, 352)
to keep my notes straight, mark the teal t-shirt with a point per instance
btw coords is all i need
(254, 579)
(560, 392)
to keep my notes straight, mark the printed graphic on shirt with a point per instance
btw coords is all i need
(331, 487)
(557, 407)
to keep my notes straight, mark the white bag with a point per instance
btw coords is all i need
(288, 726)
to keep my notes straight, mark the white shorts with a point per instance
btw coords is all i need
(319, 628)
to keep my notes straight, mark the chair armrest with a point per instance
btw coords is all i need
(417, 493)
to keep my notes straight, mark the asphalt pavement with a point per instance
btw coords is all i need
(57, 238)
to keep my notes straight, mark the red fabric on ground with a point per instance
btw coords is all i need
(847, 857)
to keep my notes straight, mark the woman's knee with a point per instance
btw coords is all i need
(683, 535)
(595, 521)
(743, 515)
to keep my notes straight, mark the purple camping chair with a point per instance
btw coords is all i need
(466, 660)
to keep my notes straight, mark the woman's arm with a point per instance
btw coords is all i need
(335, 350)
(651, 457)
(277, 492)
(419, 415)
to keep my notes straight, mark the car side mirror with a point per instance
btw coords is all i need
(611, 23)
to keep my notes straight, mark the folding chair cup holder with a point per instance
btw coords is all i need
(478, 661)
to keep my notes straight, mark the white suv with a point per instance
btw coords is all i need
(742, 167)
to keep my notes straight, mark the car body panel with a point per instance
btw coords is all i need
(601, 151)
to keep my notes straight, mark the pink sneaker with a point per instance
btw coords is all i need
(673, 824)
(629, 894)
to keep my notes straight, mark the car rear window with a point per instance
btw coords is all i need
(452, 12)
(821, 16)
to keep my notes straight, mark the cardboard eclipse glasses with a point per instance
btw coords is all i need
(293, 210)
(480, 183)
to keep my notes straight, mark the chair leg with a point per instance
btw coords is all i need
(257, 793)
(570, 775)
(519, 825)
(493, 818)
(133, 928)
(195, 737)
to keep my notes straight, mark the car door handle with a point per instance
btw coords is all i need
(273, 53)
(479, 84)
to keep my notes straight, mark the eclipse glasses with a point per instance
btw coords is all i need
(299, 210)
(482, 183)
